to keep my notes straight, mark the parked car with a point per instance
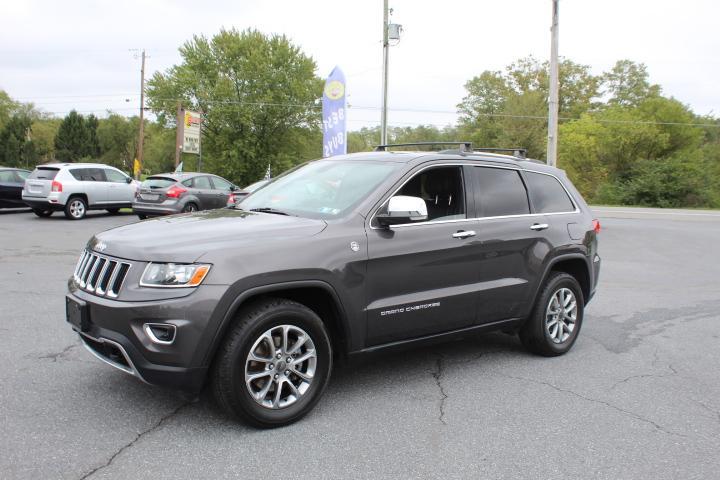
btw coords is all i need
(170, 193)
(11, 185)
(76, 188)
(339, 258)
(239, 195)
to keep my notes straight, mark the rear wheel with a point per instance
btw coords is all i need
(75, 208)
(274, 365)
(142, 216)
(557, 317)
(190, 207)
(42, 212)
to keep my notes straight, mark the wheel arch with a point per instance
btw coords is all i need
(572, 264)
(317, 295)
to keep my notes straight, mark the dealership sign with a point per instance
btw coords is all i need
(191, 132)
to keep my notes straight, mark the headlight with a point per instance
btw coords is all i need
(173, 275)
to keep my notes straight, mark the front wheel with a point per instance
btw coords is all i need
(76, 208)
(274, 365)
(555, 322)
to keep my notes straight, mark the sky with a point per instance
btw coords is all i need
(77, 54)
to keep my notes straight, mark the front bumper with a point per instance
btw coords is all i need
(114, 332)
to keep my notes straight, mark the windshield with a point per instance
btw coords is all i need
(323, 189)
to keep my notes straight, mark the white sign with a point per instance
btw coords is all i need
(191, 132)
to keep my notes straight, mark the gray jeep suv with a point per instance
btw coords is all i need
(336, 259)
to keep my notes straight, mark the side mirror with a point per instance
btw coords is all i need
(128, 180)
(403, 209)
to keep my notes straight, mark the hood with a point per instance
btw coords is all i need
(185, 238)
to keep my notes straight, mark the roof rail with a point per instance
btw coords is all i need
(515, 152)
(463, 146)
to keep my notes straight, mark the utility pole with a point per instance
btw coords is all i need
(141, 134)
(386, 52)
(179, 126)
(553, 100)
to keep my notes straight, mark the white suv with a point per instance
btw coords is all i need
(76, 188)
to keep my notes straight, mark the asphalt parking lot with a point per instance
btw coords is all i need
(637, 397)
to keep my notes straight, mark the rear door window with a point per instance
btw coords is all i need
(547, 194)
(7, 176)
(44, 173)
(500, 192)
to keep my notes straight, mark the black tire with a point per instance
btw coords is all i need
(228, 376)
(142, 216)
(76, 208)
(42, 212)
(190, 207)
(113, 211)
(535, 335)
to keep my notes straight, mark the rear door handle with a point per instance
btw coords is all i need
(464, 234)
(539, 226)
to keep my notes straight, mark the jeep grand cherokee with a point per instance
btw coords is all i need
(335, 259)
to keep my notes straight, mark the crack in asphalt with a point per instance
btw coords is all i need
(600, 402)
(437, 375)
(655, 361)
(709, 409)
(137, 438)
(56, 356)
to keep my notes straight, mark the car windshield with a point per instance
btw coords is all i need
(323, 189)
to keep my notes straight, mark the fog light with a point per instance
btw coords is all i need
(162, 333)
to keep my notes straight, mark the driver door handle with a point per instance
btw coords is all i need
(464, 234)
(539, 226)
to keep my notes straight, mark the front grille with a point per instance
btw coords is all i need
(100, 275)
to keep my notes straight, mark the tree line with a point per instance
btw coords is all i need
(621, 140)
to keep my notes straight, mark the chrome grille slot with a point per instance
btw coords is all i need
(100, 275)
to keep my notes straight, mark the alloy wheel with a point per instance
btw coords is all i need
(77, 208)
(280, 366)
(561, 315)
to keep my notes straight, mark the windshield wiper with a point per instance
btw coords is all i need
(269, 210)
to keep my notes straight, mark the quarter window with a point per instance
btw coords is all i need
(499, 192)
(442, 190)
(547, 194)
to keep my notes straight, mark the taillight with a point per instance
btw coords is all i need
(56, 186)
(231, 200)
(596, 225)
(175, 191)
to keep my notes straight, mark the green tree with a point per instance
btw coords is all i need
(255, 90)
(16, 148)
(92, 145)
(117, 139)
(628, 84)
(71, 141)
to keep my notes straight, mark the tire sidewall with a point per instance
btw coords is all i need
(556, 283)
(190, 207)
(283, 314)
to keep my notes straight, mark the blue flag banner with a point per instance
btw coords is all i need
(334, 108)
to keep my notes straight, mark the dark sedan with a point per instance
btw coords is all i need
(169, 193)
(11, 186)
